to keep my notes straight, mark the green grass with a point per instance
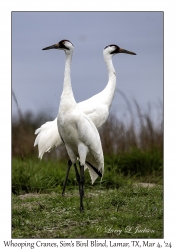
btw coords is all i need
(146, 165)
(127, 212)
(114, 207)
(34, 175)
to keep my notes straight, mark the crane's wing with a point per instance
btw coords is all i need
(96, 110)
(89, 135)
(47, 138)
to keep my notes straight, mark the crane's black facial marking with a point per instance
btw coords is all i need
(111, 46)
(116, 50)
(62, 45)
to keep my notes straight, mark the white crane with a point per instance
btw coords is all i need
(76, 130)
(96, 107)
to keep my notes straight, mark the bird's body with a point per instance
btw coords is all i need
(81, 139)
(77, 131)
(96, 108)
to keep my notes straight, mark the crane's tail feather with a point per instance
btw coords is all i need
(96, 170)
(47, 137)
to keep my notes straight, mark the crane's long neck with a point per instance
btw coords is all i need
(67, 97)
(109, 90)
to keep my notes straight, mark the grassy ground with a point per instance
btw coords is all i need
(114, 207)
(33, 175)
(127, 212)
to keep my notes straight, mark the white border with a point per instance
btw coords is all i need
(5, 96)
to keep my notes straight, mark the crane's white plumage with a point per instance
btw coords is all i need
(82, 140)
(48, 137)
(77, 131)
(96, 107)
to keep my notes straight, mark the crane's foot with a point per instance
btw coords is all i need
(81, 209)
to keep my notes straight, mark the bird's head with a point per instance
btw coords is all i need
(65, 45)
(113, 49)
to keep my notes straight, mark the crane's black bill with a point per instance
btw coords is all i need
(126, 51)
(55, 46)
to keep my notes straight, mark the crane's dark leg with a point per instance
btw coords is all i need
(82, 177)
(67, 174)
(81, 187)
(77, 176)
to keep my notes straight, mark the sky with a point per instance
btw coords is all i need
(37, 76)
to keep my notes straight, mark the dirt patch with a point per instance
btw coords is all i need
(95, 193)
(37, 195)
(142, 184)
(30, 195)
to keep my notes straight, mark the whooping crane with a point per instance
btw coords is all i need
(76, 130)
(97, 107)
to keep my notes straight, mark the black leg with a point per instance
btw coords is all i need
(82, 173)
(77, 176)
(81, 187)
(67, 174)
